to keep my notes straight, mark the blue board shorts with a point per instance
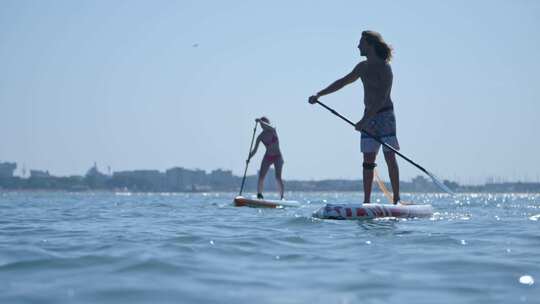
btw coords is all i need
(382, 125)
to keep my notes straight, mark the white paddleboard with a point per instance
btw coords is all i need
(370, 211)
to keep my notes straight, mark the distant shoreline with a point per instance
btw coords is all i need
(182, 180)
(360, 191)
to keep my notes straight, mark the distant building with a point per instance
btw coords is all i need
(144, 180)
(39, 174)
(221, 179)
(422, 184)
(95, 179)
(175, 179)
(7, 169)
(181, 179)
(94, 172)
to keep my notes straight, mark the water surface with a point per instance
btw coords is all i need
(197, 248)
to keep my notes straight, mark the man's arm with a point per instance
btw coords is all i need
(340, 83)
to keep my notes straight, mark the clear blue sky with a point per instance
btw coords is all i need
(156, 84)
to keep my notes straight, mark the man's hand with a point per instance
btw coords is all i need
(360, 125)
(364, 125)
(313, 99)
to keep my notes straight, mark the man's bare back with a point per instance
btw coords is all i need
(377, 80)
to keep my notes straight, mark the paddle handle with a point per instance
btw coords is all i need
(374, 137)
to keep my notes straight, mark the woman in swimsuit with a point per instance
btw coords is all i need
(273, 156)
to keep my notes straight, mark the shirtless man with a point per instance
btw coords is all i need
(378, 119)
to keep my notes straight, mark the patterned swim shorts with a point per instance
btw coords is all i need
(382, 125)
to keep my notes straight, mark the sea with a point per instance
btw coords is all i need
(59, 247)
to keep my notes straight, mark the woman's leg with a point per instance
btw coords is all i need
(265, 164)
(278, 165)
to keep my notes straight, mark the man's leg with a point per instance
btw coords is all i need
(368, 166)
(393, 172)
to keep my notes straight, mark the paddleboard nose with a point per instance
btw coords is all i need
(328, 212)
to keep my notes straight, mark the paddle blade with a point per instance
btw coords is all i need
(383, 188)
(440, 184)
(387, 193)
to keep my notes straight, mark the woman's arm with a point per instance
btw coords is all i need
(255, 148)
(265, 126)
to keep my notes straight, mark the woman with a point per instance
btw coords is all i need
(273, 156)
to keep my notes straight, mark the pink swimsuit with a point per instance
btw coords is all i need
(268, 157)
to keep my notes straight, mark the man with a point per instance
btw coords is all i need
(378, 119)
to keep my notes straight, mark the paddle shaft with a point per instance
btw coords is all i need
(248, 159)
(374, 137)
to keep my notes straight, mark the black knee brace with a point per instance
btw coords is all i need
(369, 166)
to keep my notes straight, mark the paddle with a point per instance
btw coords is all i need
(431, 175)
(387, 193)
(248, 159)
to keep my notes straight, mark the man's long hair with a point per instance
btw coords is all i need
(383, 49)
